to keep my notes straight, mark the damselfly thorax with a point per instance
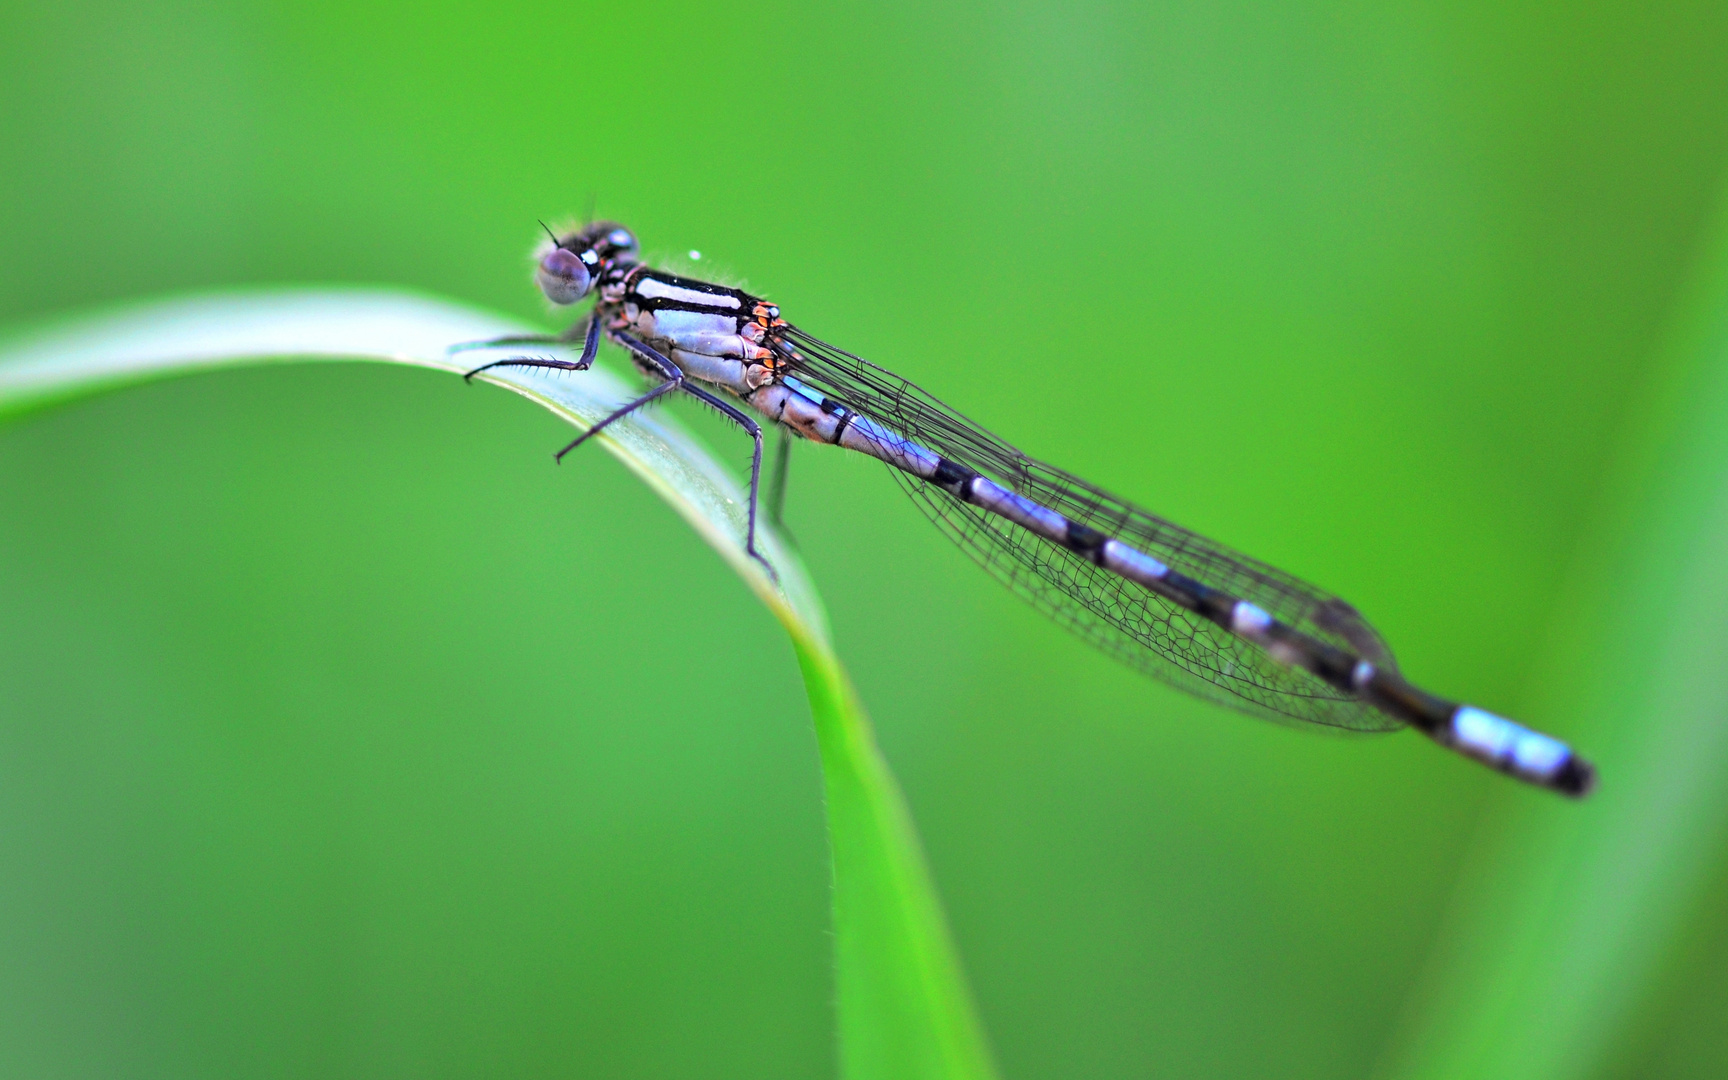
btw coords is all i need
(720, 335)
(1180, 607)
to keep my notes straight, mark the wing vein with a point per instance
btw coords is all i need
(1134, 624)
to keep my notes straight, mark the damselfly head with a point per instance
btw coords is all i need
(571, 263)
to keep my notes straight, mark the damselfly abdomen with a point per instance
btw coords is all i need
(1168, 601)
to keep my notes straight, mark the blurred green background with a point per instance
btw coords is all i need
(342, 735)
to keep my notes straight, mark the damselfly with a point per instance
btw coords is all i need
(1174, 604)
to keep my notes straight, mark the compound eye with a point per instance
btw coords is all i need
(622, 239)
(563, 277)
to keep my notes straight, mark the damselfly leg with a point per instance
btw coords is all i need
(674, 379)
(590, 331)
(590, 348)
(755, 431)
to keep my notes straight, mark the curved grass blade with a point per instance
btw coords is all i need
(904, 1010)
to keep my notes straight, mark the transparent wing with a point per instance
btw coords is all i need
(1138, 626)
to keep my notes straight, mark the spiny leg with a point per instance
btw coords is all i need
(674, 379)
(755, 431)
(578, 329)
(590, 348)
(527, 361)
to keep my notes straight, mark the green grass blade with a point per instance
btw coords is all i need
(904, 1007)
(904, 1011)
(1565, 911)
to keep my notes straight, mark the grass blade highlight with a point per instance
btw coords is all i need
(904, 1011)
